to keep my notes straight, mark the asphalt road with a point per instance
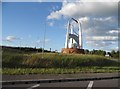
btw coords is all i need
(98, 84)
(56, 76)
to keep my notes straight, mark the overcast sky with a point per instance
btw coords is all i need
(24, 23)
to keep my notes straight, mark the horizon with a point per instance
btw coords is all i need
(55, 50)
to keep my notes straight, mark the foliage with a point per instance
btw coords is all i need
(114, 54)
(23, 49)
(95, 52)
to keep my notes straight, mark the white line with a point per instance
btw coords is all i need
(37, 85)
(90, 85)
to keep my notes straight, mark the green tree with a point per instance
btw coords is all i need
(86, 51)
(115, 54)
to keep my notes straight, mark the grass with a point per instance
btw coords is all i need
(54, 60)
(96, 69)
(56, 63)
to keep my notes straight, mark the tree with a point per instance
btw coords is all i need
(115, 54)
(98, 52)
(86, 51)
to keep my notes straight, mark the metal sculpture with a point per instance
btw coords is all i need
(73, 39)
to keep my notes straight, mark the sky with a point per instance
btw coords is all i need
(29, 24)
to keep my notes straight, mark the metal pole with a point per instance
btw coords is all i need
(67, 35)
(44, 41)
(80, 35)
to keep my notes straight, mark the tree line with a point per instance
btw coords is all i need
(113, 53)
(24, 49)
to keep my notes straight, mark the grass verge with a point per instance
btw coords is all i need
(56, 63)
(53, 60)
(18, 71)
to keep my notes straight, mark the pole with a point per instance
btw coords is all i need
(67, 35)
(80, 35)
(44, 41)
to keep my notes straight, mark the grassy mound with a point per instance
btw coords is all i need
(54, 60)
(20, 62)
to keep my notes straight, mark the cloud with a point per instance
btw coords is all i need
(103, 45)
(99, 26)
(54, 15)
(103, 38)
(42, 41)
(55, 7)
(103, 19)
(75, 9)
(99, 0)
(84, 19)
(51, 23)
(115, 49)
(113, 32)
(57, 0)
(11, 38)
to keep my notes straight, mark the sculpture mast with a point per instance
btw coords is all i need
(67, 35)
(80, 35)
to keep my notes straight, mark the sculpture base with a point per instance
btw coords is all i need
(72, 50)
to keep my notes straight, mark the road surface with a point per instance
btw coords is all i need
(90, 84)
(97, 84)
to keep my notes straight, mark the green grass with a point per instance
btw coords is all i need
(60, 70)
(56, 63)
(54, 60)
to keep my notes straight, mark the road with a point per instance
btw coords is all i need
(97, 84)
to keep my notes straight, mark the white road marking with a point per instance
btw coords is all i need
(90, 85)
(37, 85)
